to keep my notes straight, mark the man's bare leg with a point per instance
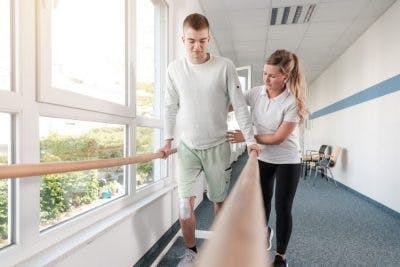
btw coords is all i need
(188, 226)
(218, 207)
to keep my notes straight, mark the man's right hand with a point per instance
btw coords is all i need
(254, 147)
(166, 148)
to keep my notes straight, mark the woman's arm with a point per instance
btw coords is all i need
(278, 137)
(284, 130)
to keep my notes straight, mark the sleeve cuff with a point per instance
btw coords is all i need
(166, 137)
(251, 142)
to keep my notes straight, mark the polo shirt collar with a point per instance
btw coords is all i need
(280, 98)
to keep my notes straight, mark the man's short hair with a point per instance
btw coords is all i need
(196, 21)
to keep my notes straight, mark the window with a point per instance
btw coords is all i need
(84, 58)
(147, 141)
(146, 93)
(149, 42)
(5, 184)
(244, 74)
(150, 61)
(66, 195)
(5, 45)
(78, 80)
(88, 54)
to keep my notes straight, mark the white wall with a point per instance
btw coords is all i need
(368, 132)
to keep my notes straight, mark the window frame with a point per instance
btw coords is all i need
(161, 14)
(11, 216)
(93, 215)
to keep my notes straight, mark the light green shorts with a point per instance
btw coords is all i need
(214, 162)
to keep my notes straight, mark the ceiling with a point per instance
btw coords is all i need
(242, 32)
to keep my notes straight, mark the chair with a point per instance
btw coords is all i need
(314, 156)
(326, 164)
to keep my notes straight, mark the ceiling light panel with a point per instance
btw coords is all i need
(292, 14)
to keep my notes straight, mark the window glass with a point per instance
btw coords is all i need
(66, 195)
(5, 44)
(147, 141)
(5, 144)
(145, 59)
(88, 48)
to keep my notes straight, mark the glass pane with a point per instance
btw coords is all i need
(145, 56)
(244, 75)
(5, 122)
(65, 195)
(147, 141)
(88, 48)
(5, 43)
(243, 83)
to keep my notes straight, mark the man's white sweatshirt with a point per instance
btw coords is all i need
(198, 96)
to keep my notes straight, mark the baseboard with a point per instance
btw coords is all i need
(370, 200)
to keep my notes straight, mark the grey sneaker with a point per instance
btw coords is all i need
(270, 235)
(188, 258)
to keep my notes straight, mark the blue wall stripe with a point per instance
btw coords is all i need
(383, 88)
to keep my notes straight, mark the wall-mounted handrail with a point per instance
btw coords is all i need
(28, 170)
(239, 235)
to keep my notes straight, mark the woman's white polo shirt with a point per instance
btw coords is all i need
(267, 115)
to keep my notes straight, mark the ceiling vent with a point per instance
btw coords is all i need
(292, 14)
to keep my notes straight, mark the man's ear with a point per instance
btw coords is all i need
(183, 39)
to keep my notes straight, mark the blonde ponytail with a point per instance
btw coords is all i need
(289, 64)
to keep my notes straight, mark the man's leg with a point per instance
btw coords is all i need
(190, 168)
(217, 169)
(188, 225)
(218, 207)
(187, 220)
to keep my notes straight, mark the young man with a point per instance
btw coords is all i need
(199, 91)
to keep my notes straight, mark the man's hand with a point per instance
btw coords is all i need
(254, 147)
(235, 136)
(166, 148)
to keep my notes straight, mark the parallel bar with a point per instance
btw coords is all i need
(27, 170)
(239, 235)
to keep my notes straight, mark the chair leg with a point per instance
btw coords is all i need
(302, 171)
(305, 169)
(333, 178)
(309, 170)
(315, 175)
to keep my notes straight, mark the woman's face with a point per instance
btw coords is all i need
(273, 78)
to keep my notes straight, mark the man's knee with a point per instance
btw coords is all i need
(186, 206)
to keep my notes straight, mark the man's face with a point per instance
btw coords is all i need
(196, 42)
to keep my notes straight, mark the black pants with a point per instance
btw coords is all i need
(287, 178)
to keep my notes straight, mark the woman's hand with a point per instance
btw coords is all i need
(235, 136)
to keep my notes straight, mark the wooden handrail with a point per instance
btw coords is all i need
(239, 236)
(28, 170)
